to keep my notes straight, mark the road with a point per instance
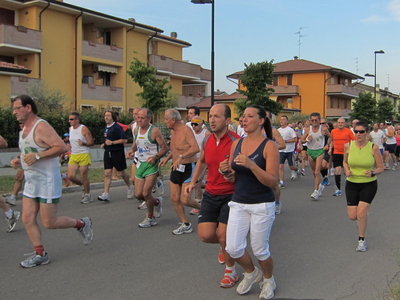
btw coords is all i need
(312, 243)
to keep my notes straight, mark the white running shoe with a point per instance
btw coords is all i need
(87, 198)
(321, 188)
(278, 208)
(104, 197)
(142, 205)
(147, 222)
(268, 287)
(362, 246)
(158, 208)
(129, 193)
(315, 195)
(248, 280)
(183, 229)
(11, 200)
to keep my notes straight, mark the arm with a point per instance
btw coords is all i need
(346, 166)
(305, 135)
(157, 136)
(88, 136)
(200, 167)
(378, 162)
(278, 138)
(3, 142)
(226, 165)
(327, 134)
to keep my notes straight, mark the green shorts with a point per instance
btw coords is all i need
(146, 169)
(315, 153)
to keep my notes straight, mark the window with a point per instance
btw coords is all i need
(275, 82)
(86, 107)
(107, 37)
(106, 78)
(7, 16)
(331, 102)
(289, 79)
(116, 108)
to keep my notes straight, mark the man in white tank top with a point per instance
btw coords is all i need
(80, 139)
(150, 145)
(315, 136)
(200, 132)
(40, 148)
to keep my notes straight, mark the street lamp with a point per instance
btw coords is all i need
(212, 42)
(376, 52)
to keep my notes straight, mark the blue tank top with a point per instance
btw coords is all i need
(248, 189)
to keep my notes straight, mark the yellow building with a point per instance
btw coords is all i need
(304, 87)
(85, 54)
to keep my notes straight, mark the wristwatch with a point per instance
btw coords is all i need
(373, 174)
(37, 156)
(181, 156)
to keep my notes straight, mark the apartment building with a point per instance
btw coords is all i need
(85, 54)
(304, 87)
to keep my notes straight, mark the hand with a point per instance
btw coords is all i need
(231, 177)
(102, 146)
(163, 162)
(108, 142)
(189, 189)
(15, 163)
(368, 173)
(224, 166)
(309, 138)
(243, 160)
(130, 154)
(30, 158)
(348, 173)
(152, 160)
(80, 142)
(176, 163)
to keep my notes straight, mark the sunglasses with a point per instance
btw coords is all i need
(359, 131)
(194, 124)
(322, 123)
(71, 119)
(314, 120)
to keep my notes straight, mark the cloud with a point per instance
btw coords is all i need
(394, 8)
(375, 19)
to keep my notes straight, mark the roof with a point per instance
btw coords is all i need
(301, 66)
(13, 68)
(206, 101)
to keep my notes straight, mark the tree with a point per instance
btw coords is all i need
(364, 108)
(384, 110)
(255, 79)
(155, 94)
(47, 100)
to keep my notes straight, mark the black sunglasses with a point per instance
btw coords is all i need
(71, 119)
(322, 123)
(359, 131)
(194, 124)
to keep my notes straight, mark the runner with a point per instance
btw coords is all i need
(40, 149)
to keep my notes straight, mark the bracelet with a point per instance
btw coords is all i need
(222, 173)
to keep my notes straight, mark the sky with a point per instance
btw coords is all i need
(342, 34)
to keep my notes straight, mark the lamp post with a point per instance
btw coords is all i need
(212, 43)
(371, 75)
(376, 52)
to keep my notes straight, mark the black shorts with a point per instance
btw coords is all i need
(391, 148)
(114, 159)
(283, 156)
(397, 151)
(327, 157)
(337, 160)
(356, 192)
(304, 148)
(178, 177)
(214, 208)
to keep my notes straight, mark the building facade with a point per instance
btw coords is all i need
(85, 55)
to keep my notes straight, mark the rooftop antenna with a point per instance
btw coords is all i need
(388, 81)
(300, 36)
(356, 65)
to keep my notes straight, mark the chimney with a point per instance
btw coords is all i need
(296, 57)
(174, 34)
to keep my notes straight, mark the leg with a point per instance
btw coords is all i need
(31, 209)
(133, 172)
(71, 173)
(19, 177)
(149, 182)
(48, 214)
(114, 174)
(316, 171)
(175, 199)
(362, 217)
(107, 180)
(125, 177)
(187, 200)
(3, 205)
(84, 170)
(281, 172)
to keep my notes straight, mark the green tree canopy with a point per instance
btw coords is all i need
(255, 78)
(364, 108)
(155, 95)
(384, 110)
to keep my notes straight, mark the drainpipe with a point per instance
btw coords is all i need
(126, 58)
(76, 61)
(148, 46)
(40, 29)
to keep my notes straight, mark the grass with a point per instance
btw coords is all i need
(95, 175)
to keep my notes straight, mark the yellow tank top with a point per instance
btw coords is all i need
(360, 160)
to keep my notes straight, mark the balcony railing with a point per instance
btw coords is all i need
(286, 90)
(338, 112)
(102, 93)
(21, 38)
(179, 68)
(22, 85)
(342, 90)
(102, 51)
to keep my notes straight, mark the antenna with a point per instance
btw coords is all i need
(356, 65)
(388, 81)
(300, 36)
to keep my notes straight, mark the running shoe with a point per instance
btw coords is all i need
(229, 280)
(87, 198)
(194, 211)
(129, 193)
(321, 188)
(248, 280)
(35, 260)
(337, 192)
(315, 195)
(147, 222)
(86, 231)
(183, 229)
(281, 185)
(303, 172)
(268, 287)
(158, 208)
(326, 181)
(11, 222)
(11, 200)
(362, 246)
(104, 197)
(221, 257)
(142, 205)
(386, 167)
(394, 168)
(278, 208)
(294, 175)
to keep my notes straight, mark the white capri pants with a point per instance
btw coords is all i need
(258, 218)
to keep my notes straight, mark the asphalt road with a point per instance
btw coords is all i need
(312, 244)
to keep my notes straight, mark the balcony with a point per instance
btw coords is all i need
(22, 85)
(102, 51)
(102, 93)
(179, 69)
(338, 112)
(342, 90)
(285, 90)
(15, 40)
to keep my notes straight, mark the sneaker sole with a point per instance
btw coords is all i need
(32, 266)
(256, 280)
